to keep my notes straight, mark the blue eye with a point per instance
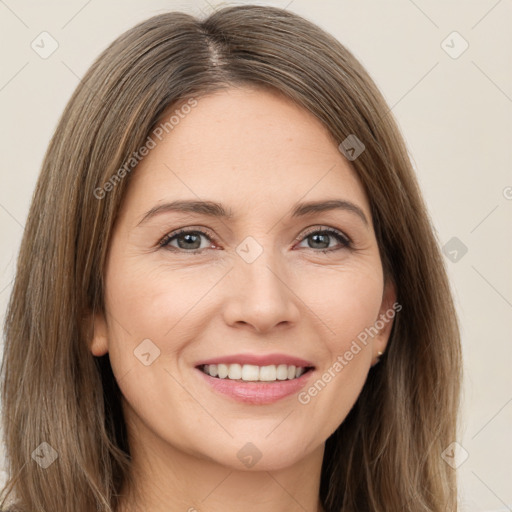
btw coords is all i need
(186, 240)
(190, 240)
(322, 236)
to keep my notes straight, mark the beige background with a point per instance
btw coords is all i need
(455, 114)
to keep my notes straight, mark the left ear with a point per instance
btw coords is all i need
(384, 322)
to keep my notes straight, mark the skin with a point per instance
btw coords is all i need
(258, 154)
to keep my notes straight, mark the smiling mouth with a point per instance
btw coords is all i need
(254, 373)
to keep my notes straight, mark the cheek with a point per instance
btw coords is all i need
(348, 310)
(350, 350)
(153, 300)
(356, 308)
(345, 302)
(168, 306)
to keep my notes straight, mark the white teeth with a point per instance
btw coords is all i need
(250, 372)
(223, 371)
(268, 373)
(235, 372)
(282, 372)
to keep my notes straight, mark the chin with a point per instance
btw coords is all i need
(260, 453)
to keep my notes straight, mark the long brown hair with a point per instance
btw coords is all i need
(386, 455)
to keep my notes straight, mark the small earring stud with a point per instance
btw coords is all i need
(379, 353)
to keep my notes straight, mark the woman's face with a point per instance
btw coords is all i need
(249, 288)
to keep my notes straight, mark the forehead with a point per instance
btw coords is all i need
(247, 148)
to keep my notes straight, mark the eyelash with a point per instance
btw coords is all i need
(345, 242)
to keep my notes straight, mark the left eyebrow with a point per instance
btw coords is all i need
(213, 209)
(313, 207)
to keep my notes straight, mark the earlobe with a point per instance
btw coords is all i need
(99, 342)
(384, 322)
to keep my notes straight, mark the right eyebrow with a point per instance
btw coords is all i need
(210, 208)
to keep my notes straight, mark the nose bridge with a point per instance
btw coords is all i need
(259, 292)
(258, 266)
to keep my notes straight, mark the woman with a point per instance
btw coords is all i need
(176, 338)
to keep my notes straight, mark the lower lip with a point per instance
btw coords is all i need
(257, 393)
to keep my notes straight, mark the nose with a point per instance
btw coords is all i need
(260, 295)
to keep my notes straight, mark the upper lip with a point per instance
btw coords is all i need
(258, 360)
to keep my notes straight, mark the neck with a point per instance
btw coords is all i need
(168, 479)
